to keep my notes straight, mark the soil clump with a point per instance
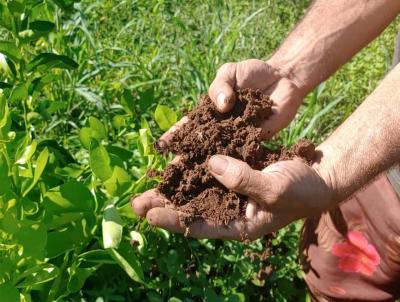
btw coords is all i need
(192, 190)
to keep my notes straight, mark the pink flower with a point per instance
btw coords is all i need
(356, 255)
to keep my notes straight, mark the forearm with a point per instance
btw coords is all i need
(328, 36)
(367, 143)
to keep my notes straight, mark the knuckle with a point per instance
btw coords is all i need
(241, 177)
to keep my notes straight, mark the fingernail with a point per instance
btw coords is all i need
(218, 164)
(160, 145)
(221, 100)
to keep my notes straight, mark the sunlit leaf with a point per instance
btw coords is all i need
(127, 259)
(118, 183)
(100, 161)
(38, 274)
(112, 226)
(27, 153)
(165, 117)
(10, 50)
(97, 127)
(40, 165)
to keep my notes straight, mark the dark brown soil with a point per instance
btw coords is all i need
(188, 185)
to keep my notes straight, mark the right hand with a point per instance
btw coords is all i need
(257, 74)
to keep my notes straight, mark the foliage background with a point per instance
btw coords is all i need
(76, 142)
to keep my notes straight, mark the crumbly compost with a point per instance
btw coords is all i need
(192, 190)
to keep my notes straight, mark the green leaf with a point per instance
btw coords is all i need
(9, 293)
(51, 60)
(36, 30)
(85, 137)
(78, 278)
(71, 197)
(127, 259)
(37, 275)
(10, 50)
(145, 141)
(99, 161)
(127, 102)
(118, 183)
(112, 227)
(97, 256)
(97, 127)
(95, 130)
(33, 240)
(118, 121)
(40, 165)
(19, 92)
(27, 153)
(5, 179)
(65, 5)
(165, 117)
(74, 236)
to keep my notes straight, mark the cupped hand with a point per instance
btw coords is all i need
(281, 193)
(261, 75)
(255, 74)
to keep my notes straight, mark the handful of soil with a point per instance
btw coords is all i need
(189, 186)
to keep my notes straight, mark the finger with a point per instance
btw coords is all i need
(165, 139)
(169, 219)
(148, 200)
(255, 74)
(286, 101)
(238, 176)
(221, 90)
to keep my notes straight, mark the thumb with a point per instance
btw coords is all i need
(238, 176)
(221, 89)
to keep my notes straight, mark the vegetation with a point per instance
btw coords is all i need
(85, 88)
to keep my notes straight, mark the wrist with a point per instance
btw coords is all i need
(324, 167)
(291, 70)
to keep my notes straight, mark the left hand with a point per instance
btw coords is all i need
(283, 192)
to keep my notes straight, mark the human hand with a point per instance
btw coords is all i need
(281, 193)
(257, 74)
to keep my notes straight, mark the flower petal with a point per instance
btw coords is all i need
(349, 265)
(344, 249)
(367, 268)
(357, 239)
(372, 254)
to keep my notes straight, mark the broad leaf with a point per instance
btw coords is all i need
(97, 127)
(5, 179)
(118, 183)
(37, 29)
(9, 292)
(51, 60)
(165, 117)
(38, 274)
(71, 197)
(112, 226)
(33, 239)
(40, 165)
(127, 102)
(10, 50)
(99, 161)
(126, 258)
(27, 153)
(97, 256)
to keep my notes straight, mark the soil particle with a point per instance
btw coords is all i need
(187, 184)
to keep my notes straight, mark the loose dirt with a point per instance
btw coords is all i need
(192, 190)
